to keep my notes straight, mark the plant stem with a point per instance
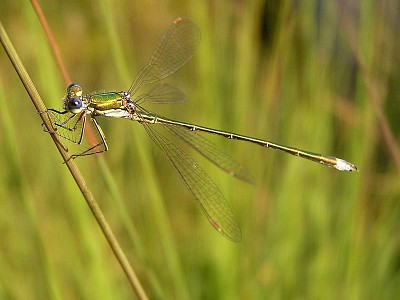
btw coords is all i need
(76, 174)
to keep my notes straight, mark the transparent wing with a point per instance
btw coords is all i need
(205, 191)
(174, 50)
(211, 152)
(206, 148)
(163, 93)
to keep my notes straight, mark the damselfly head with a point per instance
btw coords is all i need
(73, 100)
(74, 91)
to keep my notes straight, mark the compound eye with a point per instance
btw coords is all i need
(74, 105)
(74, 90)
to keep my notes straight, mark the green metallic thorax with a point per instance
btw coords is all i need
(106, 101)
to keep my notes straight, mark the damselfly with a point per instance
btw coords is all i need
(174, 50)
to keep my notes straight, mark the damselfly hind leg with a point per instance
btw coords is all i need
(73, 127)
(66, 125)
(96, 139)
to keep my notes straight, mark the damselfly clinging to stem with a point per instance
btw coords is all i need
(174, 50)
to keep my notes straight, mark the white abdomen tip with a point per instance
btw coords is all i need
(343, 165)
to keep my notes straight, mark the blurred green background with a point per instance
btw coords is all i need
(319, 75)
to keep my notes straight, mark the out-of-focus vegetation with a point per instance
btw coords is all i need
(318, 75)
